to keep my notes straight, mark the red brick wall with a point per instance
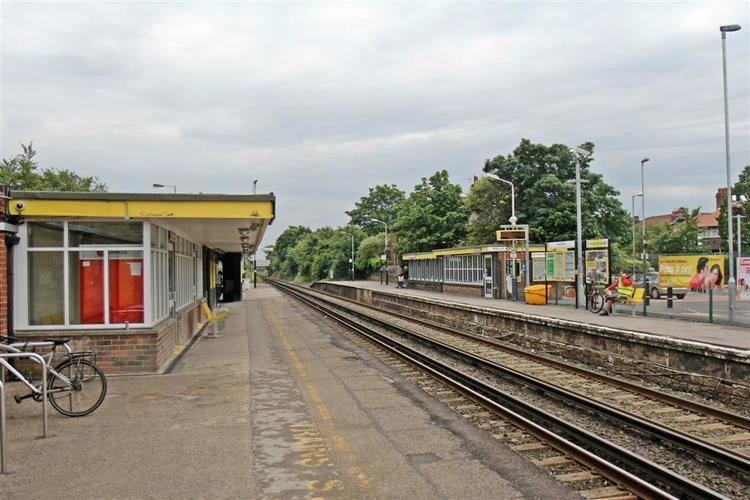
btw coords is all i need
(136, 351)
(474, 291)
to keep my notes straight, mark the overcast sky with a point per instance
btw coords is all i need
(321, 101)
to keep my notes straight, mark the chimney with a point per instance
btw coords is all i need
(721, 198)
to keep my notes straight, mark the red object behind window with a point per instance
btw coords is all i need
(92, 298)
(126, 290)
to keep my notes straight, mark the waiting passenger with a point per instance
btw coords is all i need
(400, 278)
(621, 289)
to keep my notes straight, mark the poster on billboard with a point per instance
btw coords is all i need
(743, 278)
(561, 261)
(538, 266)
(597, 261)
(699, 273)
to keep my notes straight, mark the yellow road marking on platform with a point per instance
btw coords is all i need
(325, 414)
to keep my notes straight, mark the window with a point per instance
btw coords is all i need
(46, 288)
(102, 264)
(463, 269)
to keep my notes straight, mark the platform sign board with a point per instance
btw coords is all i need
(597, 261)
(538, 266)
(561, 261)
(743, 278)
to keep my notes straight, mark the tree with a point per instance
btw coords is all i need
(368, 255)
(677, 237)
(546, 201)
(382, 203)
(433, 216)
(22, 173)
(740, 188)
(490, 207)
(280, 261)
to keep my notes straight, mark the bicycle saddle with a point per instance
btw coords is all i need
(8, 339)
(58, 341)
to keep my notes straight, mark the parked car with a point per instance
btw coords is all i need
(655, 291)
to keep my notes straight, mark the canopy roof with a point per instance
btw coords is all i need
(219, 221)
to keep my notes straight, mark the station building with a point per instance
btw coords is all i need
(124, 274)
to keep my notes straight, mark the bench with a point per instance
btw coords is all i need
(635, 300)
(215, 319)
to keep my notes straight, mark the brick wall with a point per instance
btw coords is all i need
(473, 291)
(135, 351)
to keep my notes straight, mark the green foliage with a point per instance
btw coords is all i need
(678, 237)
(433, 216)
(490, 207)
(382, 203)
(22, 173)
(546, 201)
(741, 187)
(368, 255)
(280, 263)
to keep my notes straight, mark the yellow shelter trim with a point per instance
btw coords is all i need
(138, 209)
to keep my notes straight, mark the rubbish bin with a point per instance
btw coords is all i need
(535, 294)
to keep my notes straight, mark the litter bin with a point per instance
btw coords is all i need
(535, 294)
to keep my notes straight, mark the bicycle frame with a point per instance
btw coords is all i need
(46, 361)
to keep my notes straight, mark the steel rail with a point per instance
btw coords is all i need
(699, 446)
(727, 416)
(521, 413)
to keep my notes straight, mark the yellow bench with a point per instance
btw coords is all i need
(215, 319)
(633, 301)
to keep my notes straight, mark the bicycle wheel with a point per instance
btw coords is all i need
(85, 392)
(597, 302)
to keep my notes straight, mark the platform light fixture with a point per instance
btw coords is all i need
(174, 188)
(579, 153)
(731, 283)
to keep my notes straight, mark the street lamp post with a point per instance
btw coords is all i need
(386, 247)
(633, 215)
(352, 235)
(174, 188)
(255, 183)
(644, 255)
(577, 154)
(731, 284)
(739, 235)
(513, 218)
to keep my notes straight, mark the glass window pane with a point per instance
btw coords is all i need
(46, 288)
(125, 287)
(154, 236)
(105, 233)
(86, 279)
(46, 234)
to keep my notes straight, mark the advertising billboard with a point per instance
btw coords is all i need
(743, 277)
(699, 273)
(561, 261)
(597, 261)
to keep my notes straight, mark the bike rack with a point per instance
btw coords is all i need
(5, 366)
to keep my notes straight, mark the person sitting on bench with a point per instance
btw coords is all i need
(621, 289)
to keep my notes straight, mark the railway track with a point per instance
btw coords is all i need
(593, 465)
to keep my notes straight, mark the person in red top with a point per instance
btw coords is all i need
(621, 288)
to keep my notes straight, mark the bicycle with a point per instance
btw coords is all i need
(75, 387)
(594, 299)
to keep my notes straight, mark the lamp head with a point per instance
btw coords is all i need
(581, 152)
(644, 160)
(729, 28)
(158, 185)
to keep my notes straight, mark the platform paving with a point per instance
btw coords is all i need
(281, 406)
(706, 333)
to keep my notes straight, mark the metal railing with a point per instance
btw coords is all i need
(5, 365)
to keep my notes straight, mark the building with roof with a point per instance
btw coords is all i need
(123, 273)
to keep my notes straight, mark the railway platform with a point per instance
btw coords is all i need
(736, 337)
(280, 406)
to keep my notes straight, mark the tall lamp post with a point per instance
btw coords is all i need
(174, 188)
(731, 284)
(352, 235)
(644, 255)
(633, 214)
(386, 247)
(579, 153)
(513, 218)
